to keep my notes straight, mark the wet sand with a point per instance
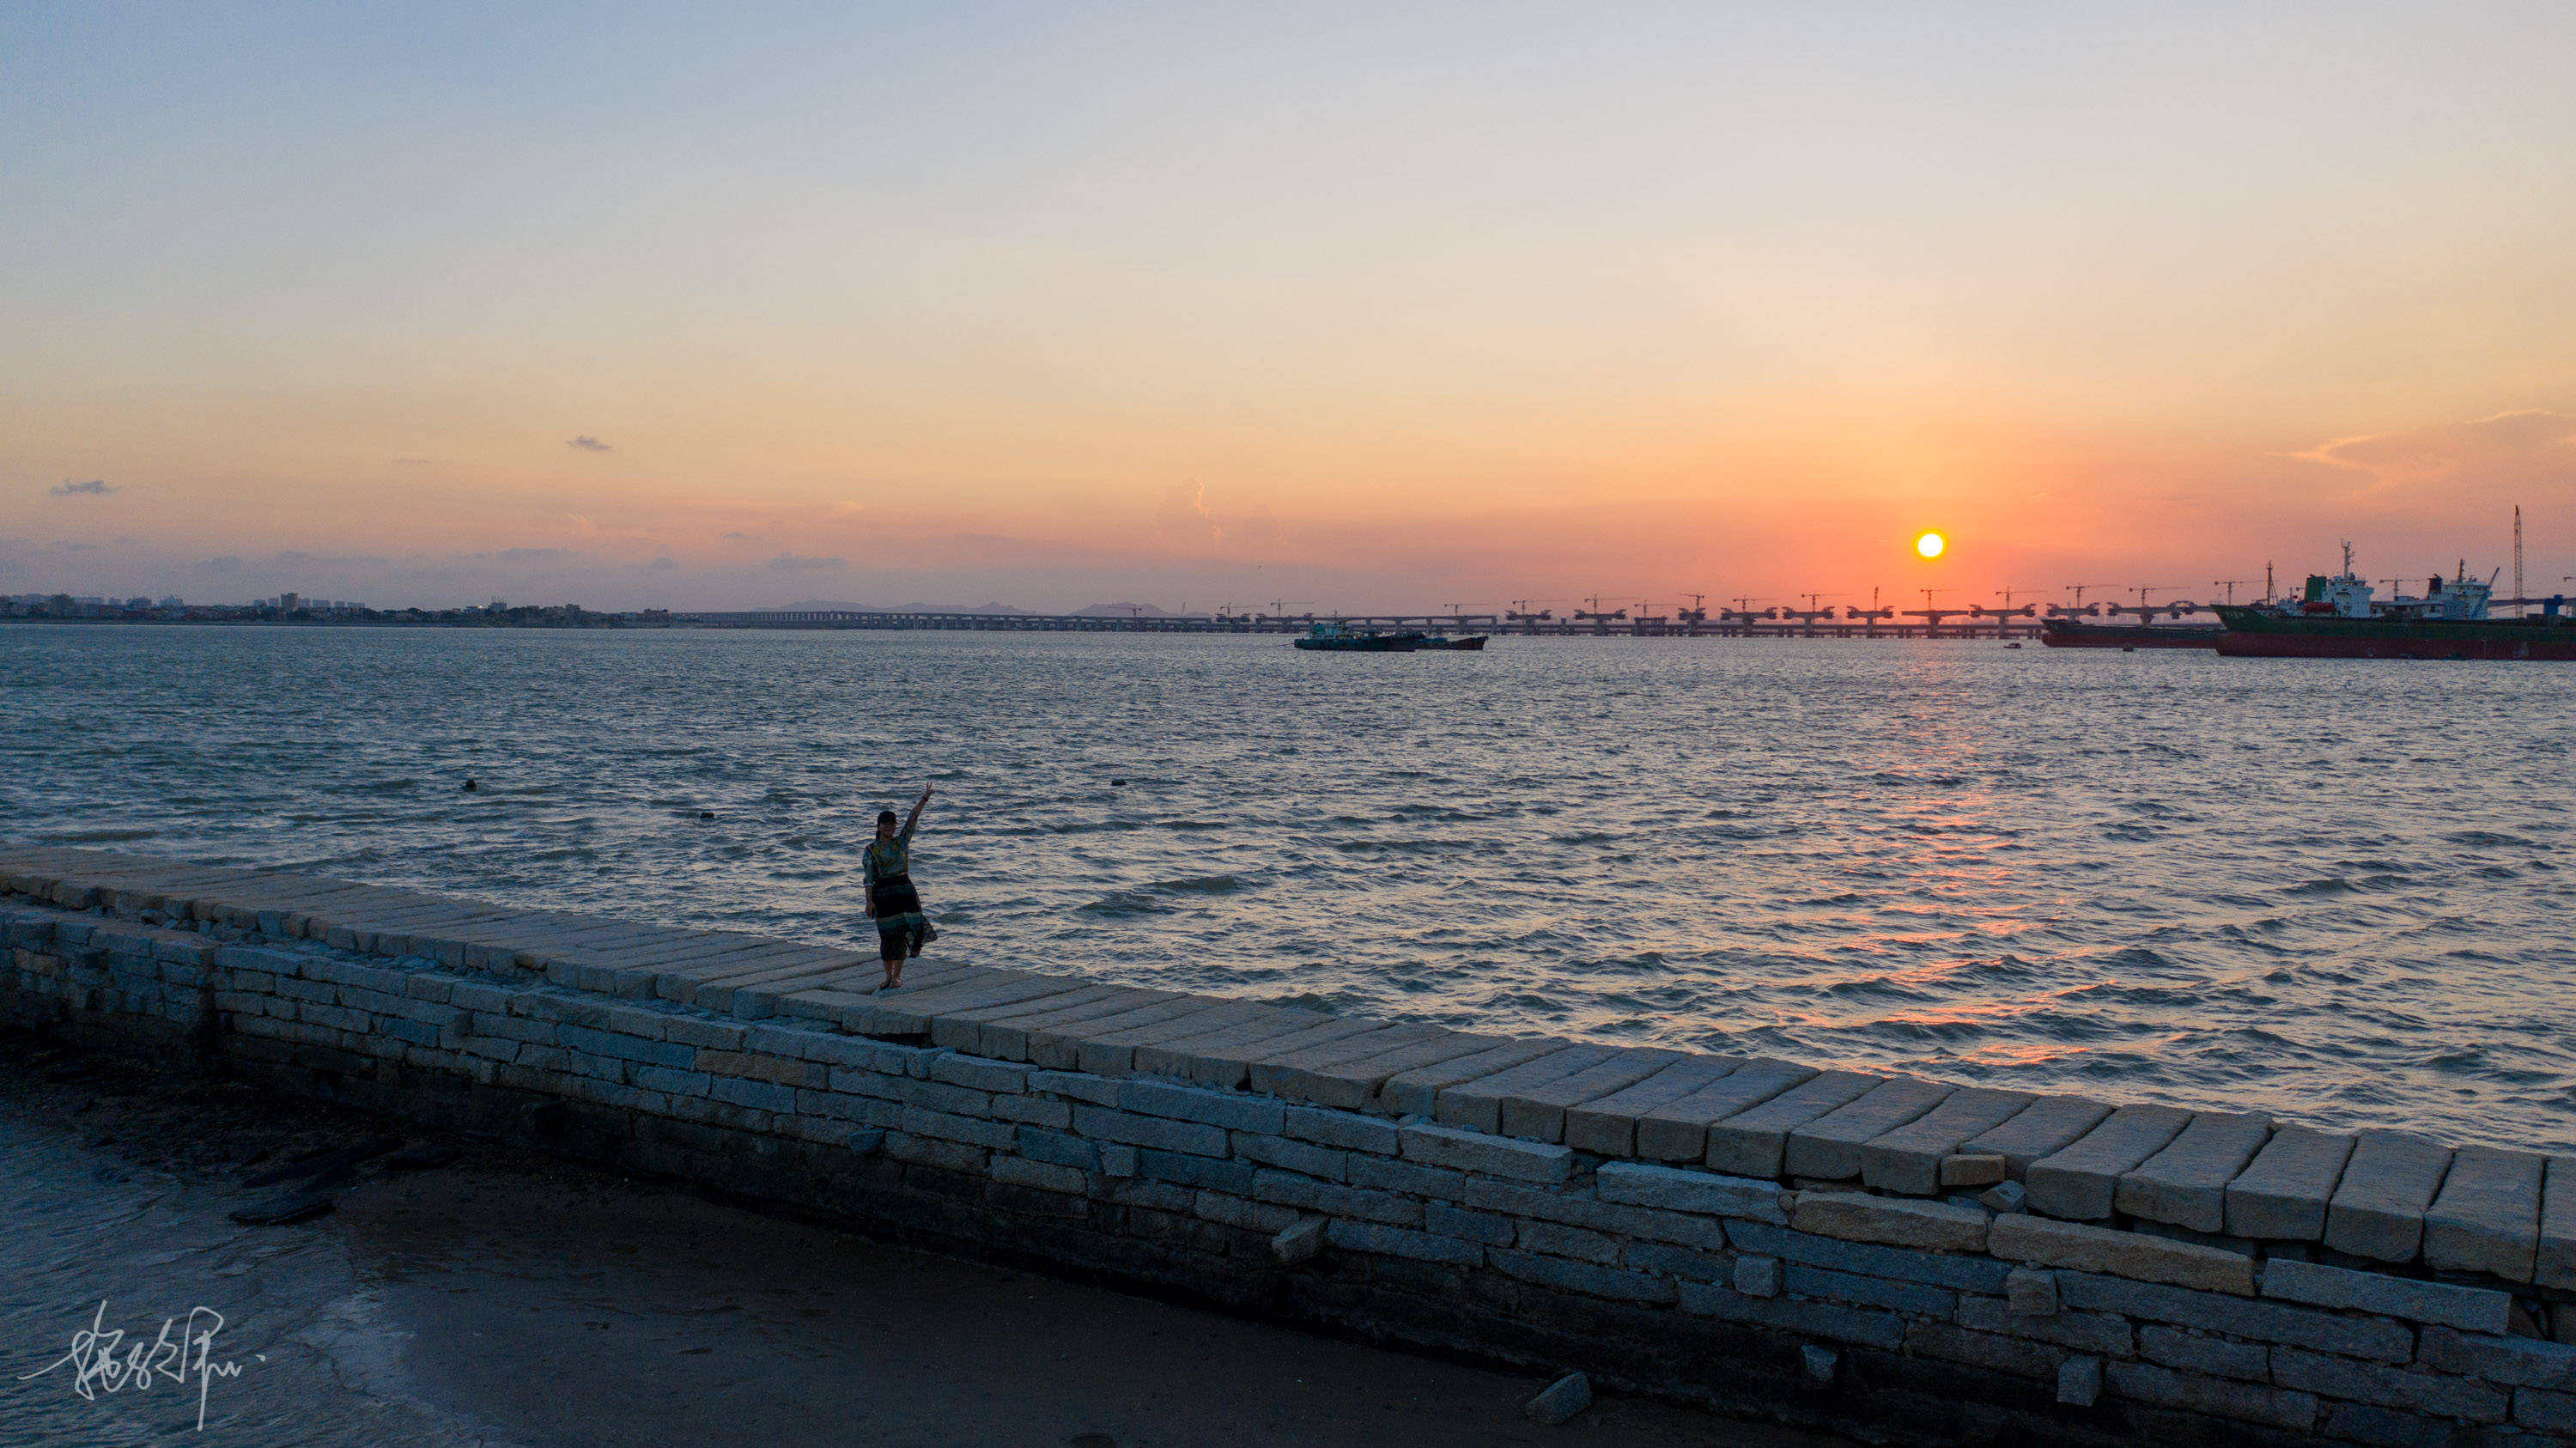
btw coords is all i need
(511, 1299)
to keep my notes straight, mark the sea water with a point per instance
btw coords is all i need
(2336, 890)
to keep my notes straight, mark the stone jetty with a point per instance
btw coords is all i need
(1907, 1259)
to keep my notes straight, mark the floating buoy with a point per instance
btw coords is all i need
(706, 814)
(1117, 784)
(469, 786)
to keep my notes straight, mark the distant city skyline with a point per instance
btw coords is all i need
(1364, 308)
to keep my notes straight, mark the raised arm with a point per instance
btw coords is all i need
(915, 817)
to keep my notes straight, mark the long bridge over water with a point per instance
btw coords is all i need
(1970, 622)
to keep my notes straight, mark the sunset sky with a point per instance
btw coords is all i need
(1367, 307)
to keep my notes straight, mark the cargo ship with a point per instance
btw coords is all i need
(2066, 633)
(1333, 637)
(2337, 618)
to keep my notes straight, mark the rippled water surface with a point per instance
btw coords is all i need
(2338, 889)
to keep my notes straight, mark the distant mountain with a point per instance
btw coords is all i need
(1130, 610)
(821, 605)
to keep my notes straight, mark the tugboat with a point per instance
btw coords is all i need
(2336, 618)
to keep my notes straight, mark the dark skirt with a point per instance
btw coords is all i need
(901, 928)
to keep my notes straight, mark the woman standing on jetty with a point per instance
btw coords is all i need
(901, 930)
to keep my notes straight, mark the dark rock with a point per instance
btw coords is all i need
(293, 1207)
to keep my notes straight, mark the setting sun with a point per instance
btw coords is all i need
(1930, 545)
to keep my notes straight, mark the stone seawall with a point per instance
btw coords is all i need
(1896, 1257)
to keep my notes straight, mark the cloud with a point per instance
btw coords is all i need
(95, 487)
(2530, 450)
(587, 443)
(1184, 516)
(738, 534)
(794, 563)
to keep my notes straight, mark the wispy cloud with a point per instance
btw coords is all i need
(587, 443)
(95, 487)
(2534, 450)
(796, 563)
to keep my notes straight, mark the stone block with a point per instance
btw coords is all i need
(1160, 1133)
(2008, 1196)
(2389, 1387)
(1236, 1177)
(1057, 1148)
(1033, 1110)
(2031, 1292)
(2378, 1208)
(1345, 1130)
(2282, 1194)
(1484, 1228)
(1252, 1216)
(2185, 1184)
(2077, 1247)
(1759, 1276)
(2471, 1309)
(1494, 1156)
(921, 1122)
(2078, 1182)
(2094, 1332)
(1681, 1228)
(981, 1075)
(1537, 1113)
(1291, 1190)
(1477, 1104)
(1818, 1364)
(1615, 1283)
(1562, 1399)
(2195, 1353)
(1417, 1092)
(1081, 1086)
(1682, 1190)
(1686, 1263)
(1559, 1240)
(1119, 1161)
(2515, 1361)
(1834, 1321)
(2374, 1338)
(2245, 1402)
(1829, 1147)
(1296, 1156)
(2043, 1128)
(2547, 1412)
(1948, 1342)
(2555, 1264)
(931, 1151)
(1859, 1291)
(1753, 1142)
(1607, 1125)
(1363, 1170)
(1229, 1109)
(1349, 1075)
(1971, 1171)
(2079, 1382)
(1389, 1241)
(1300, 1242)
(1042, 1176)
(1941, 1269)
(1895, 1221)
(2487, 1218)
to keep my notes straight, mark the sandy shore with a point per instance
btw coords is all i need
(506, 1298)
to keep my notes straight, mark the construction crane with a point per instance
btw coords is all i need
(2079, 592)
(1811, 612)
(2230, 584)
(1697, 613)
(1519, 612)
(1930, 613)
(1279, 608)
(1598, 617)
(2143, 611)
(1743, 615)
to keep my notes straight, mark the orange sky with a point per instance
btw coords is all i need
(1204, 306)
